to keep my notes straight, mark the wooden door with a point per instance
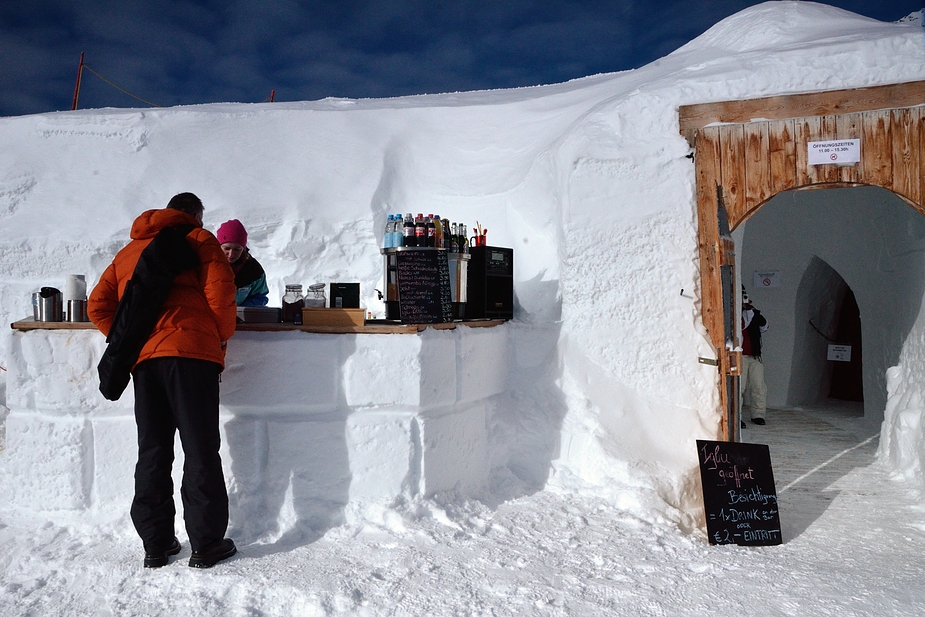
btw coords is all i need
(740, 164)
(730, 365)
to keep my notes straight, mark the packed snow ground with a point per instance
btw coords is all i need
(853, 544)
(558, 171)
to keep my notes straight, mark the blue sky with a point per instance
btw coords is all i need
(177, 52)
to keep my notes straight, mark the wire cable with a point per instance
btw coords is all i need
(269, 99)
(121, 89)
(831, 340)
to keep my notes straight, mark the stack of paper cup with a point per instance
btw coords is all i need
(75, 297)
(76, 288)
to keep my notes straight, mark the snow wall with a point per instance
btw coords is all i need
(590, 182)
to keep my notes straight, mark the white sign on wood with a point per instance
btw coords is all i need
(840, 353)
(839, 152)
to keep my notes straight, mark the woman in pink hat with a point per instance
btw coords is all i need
(249, 276)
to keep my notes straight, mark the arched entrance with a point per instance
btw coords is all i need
(826, 311)
(850, 273)
(748, 151)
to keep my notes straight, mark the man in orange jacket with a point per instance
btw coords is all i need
(176, 384)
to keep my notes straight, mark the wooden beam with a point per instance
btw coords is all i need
(801, 136)
(849, 127)
(707, 170)
(820, 128)
(782, 155)
(732, 171)
(920, 206)
(876, 149)
(831, 102)
(757, 168)
(907, 170)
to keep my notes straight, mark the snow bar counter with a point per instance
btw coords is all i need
(312, 419)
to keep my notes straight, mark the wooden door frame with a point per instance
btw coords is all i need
(750, 150)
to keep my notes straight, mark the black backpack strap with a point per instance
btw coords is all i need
(141, 305)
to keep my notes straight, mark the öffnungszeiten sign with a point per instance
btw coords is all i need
(838, 152)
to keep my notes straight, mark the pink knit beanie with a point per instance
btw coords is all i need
(232, 231)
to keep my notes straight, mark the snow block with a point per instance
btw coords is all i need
(384, 452)
(308, 467)
(438, 361)
(455, 451)
(294, 372)
(246, 442)
(115, 451)
(384, 370)
(54, 371)
(47, 463)
(483, 360)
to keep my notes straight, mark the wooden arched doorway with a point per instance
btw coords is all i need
(745, 152)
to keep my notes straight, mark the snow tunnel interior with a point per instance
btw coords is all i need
(840, 266)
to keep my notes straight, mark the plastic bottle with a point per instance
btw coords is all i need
(398, 230)
(387, 235)
(431, 238)
(420, 231)
(408, 232)
(438, 232)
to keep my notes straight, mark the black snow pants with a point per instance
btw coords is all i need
(178, 394)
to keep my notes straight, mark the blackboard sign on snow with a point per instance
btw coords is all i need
(739, 497)
(424, 286)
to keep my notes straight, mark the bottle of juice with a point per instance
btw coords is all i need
(438, 232)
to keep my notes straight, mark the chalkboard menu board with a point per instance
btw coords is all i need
(739, 497)
(424, 286)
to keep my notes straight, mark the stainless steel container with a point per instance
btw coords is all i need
(459, 281)
(47, 305)
(390, 280)
(76, 311)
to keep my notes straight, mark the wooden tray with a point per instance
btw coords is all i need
(333, 316)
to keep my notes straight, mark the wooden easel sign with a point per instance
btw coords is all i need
(739, 498)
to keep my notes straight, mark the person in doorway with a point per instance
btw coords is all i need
(176, 384)
(249, 277)
(754, 389)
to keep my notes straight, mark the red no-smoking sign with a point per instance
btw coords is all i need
(766, 278)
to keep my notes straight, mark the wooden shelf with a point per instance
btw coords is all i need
(376, 328)
(30, 324)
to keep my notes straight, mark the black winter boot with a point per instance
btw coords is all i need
(212, 554)
(157, 560)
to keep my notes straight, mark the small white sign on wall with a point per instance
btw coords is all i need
(840, 152)
(767, 278)
(840, 353)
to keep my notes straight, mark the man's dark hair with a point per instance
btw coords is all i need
(186, 202)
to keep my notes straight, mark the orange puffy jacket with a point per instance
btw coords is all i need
(199, 314)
